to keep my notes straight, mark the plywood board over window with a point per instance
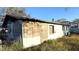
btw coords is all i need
(51, 29)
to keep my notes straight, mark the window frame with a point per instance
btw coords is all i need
(51, 29)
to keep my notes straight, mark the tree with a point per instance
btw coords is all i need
(2, 11)
(14, 11)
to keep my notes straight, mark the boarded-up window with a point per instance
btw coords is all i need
(51, 29)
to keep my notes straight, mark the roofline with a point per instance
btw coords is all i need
(41, 21)
(29, 19)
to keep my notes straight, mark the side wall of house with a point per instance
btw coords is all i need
(58, 31)
(30, 33)
(44, 32)
(34, 33)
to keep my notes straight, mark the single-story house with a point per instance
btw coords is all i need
(31, 32)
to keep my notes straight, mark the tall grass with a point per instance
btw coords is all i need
(13, 47)
(65, 43)
(62, 44)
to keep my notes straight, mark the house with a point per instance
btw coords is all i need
(31, 32)
(74, 28)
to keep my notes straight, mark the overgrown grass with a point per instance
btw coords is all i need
(13, 47)
(65, 43)
(62, 44)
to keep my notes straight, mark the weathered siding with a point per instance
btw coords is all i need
(44, 31)
(34, 33)
(14, 30)
(31, 33)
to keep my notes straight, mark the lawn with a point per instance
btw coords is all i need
(66, 43)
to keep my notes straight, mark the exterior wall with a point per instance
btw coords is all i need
(14, 30)
(34, 33)
(58, 32)
(44, 32)
(31, 34)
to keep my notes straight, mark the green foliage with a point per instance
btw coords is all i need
(62, 44)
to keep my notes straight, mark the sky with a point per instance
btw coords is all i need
(48, 13)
